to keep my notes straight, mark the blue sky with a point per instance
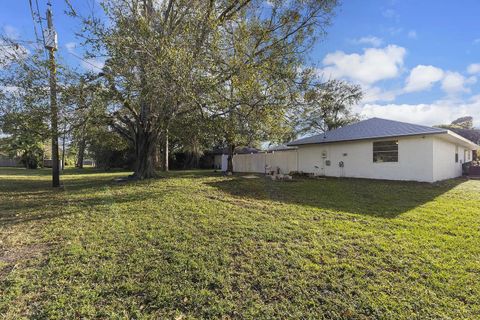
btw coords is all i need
(418, 61)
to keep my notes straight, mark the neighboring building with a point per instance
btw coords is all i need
(385, 149)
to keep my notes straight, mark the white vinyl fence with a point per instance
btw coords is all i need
(284, 161)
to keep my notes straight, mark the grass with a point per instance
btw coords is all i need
(200, 245)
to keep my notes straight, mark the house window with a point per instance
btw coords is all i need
(456, 154)
(385, 151)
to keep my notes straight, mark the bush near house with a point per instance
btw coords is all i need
(201, 245)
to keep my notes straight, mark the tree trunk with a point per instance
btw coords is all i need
(165, 153)
(158, 156)
(81, 154)
(231, 150)
(145, 152)
(63, 149)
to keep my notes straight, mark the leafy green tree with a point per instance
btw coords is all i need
(328, 105)
(24, 104)
(463, 122)
(255, 68)
(168, 58)
(25, 137)
(88, 114)
(153, 47)
(24, 107)
(108, 149)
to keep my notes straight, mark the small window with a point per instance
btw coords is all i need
(385, 151)
(456, 154)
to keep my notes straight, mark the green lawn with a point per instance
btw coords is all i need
(199, 245)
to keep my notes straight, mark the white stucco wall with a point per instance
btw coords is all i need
(420, 158)
(444, 165)
(415, 160)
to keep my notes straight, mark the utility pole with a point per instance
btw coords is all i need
(51, 46)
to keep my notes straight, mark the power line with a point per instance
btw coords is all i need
(86, 61)
(40, 21)
(37, 18)
(33, 19)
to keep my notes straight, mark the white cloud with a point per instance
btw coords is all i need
(373, 65)
(474, 68)
(441, 112)
(11, 32)
(412, 34)
(93, 65)
(70, 46)
(422, 78)
(376, 94)
(454, 83)
(370, 40)
(476, 41)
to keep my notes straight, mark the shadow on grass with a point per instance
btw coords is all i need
(27, 195)
(191, 174)
(51, 207)
(386, 199)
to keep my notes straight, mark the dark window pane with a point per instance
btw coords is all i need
(385, 151)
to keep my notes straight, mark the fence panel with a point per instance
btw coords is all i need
(284, 161)
(8, 163)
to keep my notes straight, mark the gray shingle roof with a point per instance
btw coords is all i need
(369, 129)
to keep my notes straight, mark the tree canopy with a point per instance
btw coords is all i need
(229, 63)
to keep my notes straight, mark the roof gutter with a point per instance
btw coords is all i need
(465, 141)
(370, 138)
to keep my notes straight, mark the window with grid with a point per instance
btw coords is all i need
(385, 151)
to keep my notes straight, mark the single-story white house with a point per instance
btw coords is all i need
(385, 149)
